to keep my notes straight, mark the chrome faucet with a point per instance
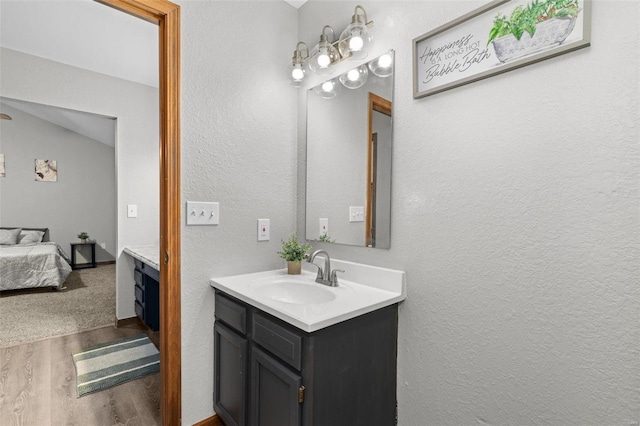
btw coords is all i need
(325, 276)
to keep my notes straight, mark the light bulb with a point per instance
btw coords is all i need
(382, 66)
(356, 38)
(324, 54)
(356, 43)
(323, 60)
(354, 78)
(297, 74)
(384, 61)
(297, 68)
(327, 90)
(353, 75)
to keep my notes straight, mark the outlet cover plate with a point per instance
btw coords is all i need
(263, 229)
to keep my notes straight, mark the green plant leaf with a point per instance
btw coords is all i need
(526, 18)
(292, 250)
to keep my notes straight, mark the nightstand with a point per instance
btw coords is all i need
(91, 264)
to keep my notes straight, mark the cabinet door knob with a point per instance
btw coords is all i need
(301, 394)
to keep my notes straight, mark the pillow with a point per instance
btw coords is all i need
(29, 237)
(9, 236)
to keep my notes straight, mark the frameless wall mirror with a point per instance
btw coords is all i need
(349, 147)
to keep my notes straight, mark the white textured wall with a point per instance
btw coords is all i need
(135, 106)
(83, 198)
(516, 216)
(238, 148)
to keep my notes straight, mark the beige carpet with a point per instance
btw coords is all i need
(88, 300)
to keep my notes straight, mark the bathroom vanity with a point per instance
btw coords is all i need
(146, 277)
(289, 351)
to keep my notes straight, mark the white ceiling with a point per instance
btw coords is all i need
(93, 126)
(296, 3)
(82, 33)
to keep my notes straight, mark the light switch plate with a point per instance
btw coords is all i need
(132, 210)
(323, 226)
(263, 229)
(203, 213)
(356, 214)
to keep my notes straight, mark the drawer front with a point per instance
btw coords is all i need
(139, 295)
(139, 265)
(278, 340)
(139, 310)
(137, 277)
(231, 313)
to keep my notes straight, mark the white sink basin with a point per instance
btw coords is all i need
(310, 306)
(296, 292)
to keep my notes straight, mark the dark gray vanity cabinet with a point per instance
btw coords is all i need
(269, 373)
(147, 293)
(276, 391)
(230, 375)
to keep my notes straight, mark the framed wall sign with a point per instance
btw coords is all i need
(500, 36)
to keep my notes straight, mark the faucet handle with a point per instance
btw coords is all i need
(334, 277)
(319, 274)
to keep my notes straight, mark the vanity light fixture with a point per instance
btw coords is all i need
(354, 78)
(382, 66)
(328, 90)
(355, 39)
(324, 54)
(352, 44)
(298, 65)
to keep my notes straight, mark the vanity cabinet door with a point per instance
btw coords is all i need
(276, 392)
(230, 375)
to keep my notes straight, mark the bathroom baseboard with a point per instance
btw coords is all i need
(210, 421)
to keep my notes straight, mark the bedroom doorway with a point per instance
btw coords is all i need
(167, 16)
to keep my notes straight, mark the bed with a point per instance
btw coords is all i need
(29, 260)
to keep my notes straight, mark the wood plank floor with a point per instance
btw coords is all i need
(38, 386)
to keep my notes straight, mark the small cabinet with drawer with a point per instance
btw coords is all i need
(268, 372)
(147, 294)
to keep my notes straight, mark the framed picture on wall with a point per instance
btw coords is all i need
(498, 37)
(46, 170)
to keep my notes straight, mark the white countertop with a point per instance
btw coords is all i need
(361, 289)
(147, 254)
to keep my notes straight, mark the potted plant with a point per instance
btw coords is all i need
(83, 237)
(325, 238)
(294, 253)
(536, 26)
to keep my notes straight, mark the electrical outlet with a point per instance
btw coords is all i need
(263, 229)
(103, 246)
(324, 226)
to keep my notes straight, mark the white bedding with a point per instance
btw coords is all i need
(33, 265)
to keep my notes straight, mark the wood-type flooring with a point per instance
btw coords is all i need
(38, 386)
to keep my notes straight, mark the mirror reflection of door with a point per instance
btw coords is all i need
(377, 217)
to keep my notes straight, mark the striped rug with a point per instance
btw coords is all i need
(110, 364)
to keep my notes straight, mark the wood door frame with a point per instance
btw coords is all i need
(380, 104)
(167, 16)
